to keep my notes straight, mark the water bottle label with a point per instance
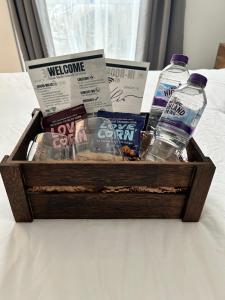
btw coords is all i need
(163, 93)
(177, 116)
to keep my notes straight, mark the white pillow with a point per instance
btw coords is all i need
(215, 88)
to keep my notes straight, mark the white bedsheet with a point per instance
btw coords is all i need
(114, 259)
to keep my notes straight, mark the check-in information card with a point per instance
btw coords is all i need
(70, 80)
(127, 84)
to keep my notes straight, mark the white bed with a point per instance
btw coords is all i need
(115, 259)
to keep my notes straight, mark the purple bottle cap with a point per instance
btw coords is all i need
(198, 79)
(179, 57)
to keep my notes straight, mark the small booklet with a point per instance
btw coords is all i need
(70, 80)
(127, 84)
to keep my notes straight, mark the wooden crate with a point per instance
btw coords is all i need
(220, 57)
(51, 190)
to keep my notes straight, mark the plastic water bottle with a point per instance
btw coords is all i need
(173, 76)
(179, 120)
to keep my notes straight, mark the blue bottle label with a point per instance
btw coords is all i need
(178, 117)
(163, 93)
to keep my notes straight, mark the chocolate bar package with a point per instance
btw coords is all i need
(64, 122)
(128, 128)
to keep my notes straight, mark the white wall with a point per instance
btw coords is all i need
(204, 29)
(9, 57)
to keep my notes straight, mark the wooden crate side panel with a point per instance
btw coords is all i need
(33, 128)
(113, 206)
(14, 186)
(114, 174)
(199, 190)
(194, 152)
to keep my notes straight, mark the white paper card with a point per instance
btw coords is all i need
(66, 81)
(127, 84)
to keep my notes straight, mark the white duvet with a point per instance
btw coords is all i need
(115, 259)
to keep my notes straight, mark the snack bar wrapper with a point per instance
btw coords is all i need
(128, 128)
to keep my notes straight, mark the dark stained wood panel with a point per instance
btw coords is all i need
(96, 205)
(124, 173)
(199, 190)
(15, 190)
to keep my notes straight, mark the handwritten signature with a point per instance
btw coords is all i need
(117, 95)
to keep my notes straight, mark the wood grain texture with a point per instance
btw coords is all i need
(105, 189)
(108, 174)
(194, 152)
(220, 57)
(13, 182)
(199, 190)
(115, 206)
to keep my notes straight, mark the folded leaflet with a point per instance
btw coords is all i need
(70, 80)
(127, 84)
